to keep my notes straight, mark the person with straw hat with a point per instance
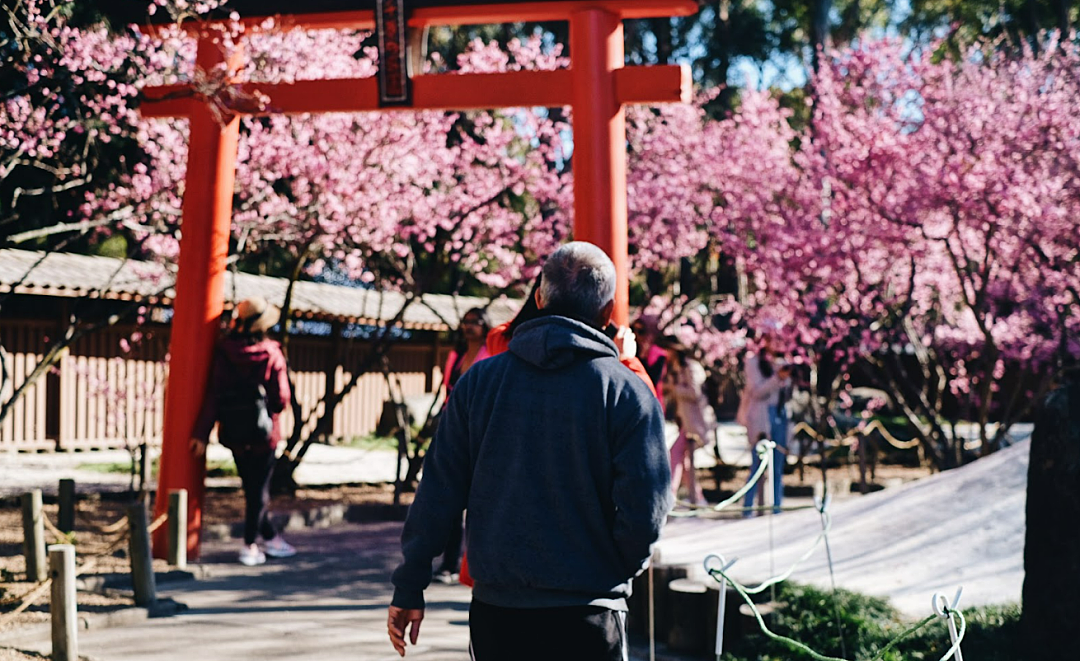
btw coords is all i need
(247, 391)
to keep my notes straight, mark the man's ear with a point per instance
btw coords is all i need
(539, 299)
(605, 314)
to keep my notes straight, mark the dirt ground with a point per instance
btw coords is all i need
(101, 553)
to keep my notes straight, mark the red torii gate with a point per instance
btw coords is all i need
(596, 86)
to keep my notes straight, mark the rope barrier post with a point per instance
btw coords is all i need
(63, 605)
(146, 465)
(943, 608)
(721, 606)
(34, 536)
(178, 528)
(66, 519)
(142, 564)
(652, 611)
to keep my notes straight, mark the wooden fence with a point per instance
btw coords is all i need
(100, 396)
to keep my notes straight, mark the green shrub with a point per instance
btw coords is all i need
(810, 615)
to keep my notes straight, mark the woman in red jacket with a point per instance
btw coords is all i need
(247, 391)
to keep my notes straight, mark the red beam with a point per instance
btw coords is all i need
(519, 89)
(548, 11)
(552, 10)
(652, 85)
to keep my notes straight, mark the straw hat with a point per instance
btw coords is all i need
(255, 315)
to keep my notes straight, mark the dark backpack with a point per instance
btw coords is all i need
(244, 420)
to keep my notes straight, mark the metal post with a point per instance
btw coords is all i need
(142, 564)
(63, 606)
(200, 292)
(599, 158)
(34, 536)
(66, 518)
(178, 504)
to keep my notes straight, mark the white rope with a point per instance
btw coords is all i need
(826, 526)
(764, 450)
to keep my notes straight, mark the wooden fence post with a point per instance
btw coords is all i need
(146, 469)
(178, 528)
(142, 563)
(34, 536)
(63, 606)
(66, 519)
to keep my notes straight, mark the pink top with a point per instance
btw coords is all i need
(655, 354)
(452, 359)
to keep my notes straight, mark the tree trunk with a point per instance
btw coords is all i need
(661, 28)
(1051, 596)
(722, 48)
(819, 29)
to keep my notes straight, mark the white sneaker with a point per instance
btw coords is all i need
(279, 548)
(251, 555)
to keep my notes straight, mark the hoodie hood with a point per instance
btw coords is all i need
(555, 342)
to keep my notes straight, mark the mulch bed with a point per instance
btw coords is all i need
(108, 552)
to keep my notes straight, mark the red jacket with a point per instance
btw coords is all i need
(498, 342)
(237, 360)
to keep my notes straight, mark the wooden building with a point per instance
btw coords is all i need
(107, 390)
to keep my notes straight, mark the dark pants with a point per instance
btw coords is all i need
(451, 557)
(572, 633)
(255, 471)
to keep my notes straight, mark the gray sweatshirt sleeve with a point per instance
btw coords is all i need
(642, 480)
(440, 500)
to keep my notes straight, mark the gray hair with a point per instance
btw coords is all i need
(579, 280)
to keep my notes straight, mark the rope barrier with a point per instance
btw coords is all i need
(29, 598)
(27, 601)
(827, 525)
(875, 425)
(60, 535)
(110, 529)
(763, 449)
(720, 575)
(158, 522)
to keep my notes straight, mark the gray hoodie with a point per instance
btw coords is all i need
(557, 451)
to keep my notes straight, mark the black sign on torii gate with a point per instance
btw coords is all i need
(394, 88)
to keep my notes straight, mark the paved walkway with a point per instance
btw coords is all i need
(326, 604)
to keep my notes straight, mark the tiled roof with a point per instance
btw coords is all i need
(65, 274)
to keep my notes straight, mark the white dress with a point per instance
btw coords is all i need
(760, 393)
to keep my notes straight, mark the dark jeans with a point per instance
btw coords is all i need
(451, 557)
(255, 471)
(572, 633)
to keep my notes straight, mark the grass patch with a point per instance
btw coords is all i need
(218, 468)
(809, 615)
(371, 442)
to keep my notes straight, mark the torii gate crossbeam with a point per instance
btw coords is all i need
(596, 86)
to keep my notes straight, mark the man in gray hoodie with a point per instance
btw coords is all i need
(557, 452)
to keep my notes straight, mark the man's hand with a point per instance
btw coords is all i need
(198, 447)
(399, 620)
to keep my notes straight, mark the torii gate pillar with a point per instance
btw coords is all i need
(599, 157)
(204, 250)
